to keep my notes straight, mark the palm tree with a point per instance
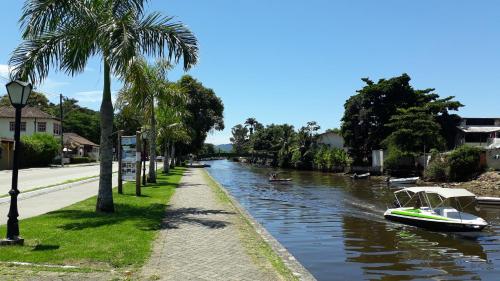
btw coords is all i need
(144, 85)
(171, 129)
(251, 122)
(66, 33)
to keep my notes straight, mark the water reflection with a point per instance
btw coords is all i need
(335, 227)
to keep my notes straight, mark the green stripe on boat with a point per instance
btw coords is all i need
(411, 213)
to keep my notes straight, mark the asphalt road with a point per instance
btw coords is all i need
(48, 200)
(41, 177)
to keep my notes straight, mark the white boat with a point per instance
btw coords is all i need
(488, 200)
(360, 176)
(412, 180)
(417, 209)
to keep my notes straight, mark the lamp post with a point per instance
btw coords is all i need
(19, 93)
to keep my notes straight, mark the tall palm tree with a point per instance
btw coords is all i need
(251, 122)
(171, 129)
(144, 85)
(66, 33)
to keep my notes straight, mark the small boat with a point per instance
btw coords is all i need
(279, 180)
(361, 176)
(488, 200)
(412, 180)
(440, 217)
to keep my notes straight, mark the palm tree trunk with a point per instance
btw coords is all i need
(105, 193)
(166, 158)
(152, 145)
(172, 156)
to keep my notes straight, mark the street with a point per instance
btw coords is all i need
(41, 177)
(50, 201)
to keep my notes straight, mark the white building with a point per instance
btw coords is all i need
(33, 120)
(331, 139)
(482, 132)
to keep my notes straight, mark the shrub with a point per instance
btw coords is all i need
(80, 160)
(464, 163)
(437, 170)
(329, 159)
(38, 150)
(399, 160)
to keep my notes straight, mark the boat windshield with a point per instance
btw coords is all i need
(431, 200)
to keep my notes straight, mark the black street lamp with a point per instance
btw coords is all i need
(19, 93)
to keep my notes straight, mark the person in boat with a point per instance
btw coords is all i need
(273, 176)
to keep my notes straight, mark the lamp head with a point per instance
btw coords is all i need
(19, 92)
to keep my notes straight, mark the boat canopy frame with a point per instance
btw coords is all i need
(442, 193)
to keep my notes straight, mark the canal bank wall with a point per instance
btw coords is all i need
(289, 261)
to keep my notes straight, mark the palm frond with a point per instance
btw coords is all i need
(157, 33)
(42, 16)
(33, 58)
(123, 7)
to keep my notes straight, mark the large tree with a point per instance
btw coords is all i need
(414, 130)
(369, 111)
(66, 33)
(206, 111)
(240, 139)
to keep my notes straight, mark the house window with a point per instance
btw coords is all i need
(42, 127)
(57, 129)
(12, 126)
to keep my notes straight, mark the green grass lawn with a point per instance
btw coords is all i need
(77, 235)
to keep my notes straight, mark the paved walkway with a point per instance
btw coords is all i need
(200, 239)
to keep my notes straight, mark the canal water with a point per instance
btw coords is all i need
(335, 227)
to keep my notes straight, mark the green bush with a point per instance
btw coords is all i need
(328, 159)
(38, 150)
(464, 163)
(399, 160)
(80, 160)
(437, 170)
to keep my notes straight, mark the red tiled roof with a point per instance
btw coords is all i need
(27, 112)
(75, 138)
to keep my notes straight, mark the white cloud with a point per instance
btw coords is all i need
(51, 87)
(92, 96)
(4, 70)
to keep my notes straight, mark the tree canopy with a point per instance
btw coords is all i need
(205, 108)
(369, 111)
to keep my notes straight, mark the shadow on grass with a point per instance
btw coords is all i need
(145, 217)
(42, 247)
(176, 217)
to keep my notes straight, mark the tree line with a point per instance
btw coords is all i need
(389, 114)
(281, 145)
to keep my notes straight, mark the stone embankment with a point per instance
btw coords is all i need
(487, 184)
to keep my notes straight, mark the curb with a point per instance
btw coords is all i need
(30, 194)
(297, 269)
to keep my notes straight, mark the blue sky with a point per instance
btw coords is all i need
(290, 61)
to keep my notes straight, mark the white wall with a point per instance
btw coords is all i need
(30, 126)
(331, 139)
(493, 158)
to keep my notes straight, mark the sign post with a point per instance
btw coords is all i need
(128, 158)
(119, 154)
(138, 164)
